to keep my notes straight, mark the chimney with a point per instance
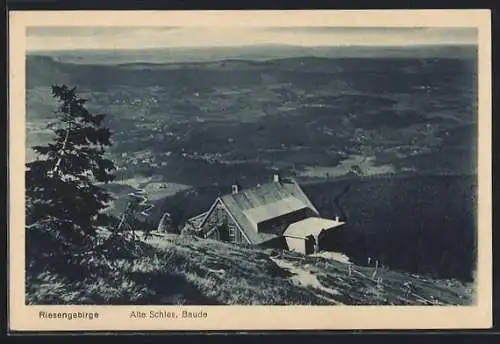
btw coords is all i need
(235, 189)
(337, 219)
(276, 178)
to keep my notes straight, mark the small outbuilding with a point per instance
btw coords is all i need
(304, 236)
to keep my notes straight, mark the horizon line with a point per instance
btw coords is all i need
(408, 46)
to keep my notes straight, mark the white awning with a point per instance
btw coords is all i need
(311, 226)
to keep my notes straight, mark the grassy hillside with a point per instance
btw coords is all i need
(186, 270)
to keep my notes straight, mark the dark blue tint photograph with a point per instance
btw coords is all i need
(271, 166)
(252, 165)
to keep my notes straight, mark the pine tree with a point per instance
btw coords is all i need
(64, 202)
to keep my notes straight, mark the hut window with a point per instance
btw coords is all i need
(232, 234)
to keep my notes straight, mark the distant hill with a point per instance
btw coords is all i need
(45, 71)
(95, 70)
(256, 52)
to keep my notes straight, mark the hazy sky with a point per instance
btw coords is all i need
(70, 38)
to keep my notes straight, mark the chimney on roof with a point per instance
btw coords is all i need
(276, 178)
(337, 219)
(235, 189)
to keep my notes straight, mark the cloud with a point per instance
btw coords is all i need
(72, 38)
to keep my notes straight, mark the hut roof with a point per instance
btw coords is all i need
(272, 210)
(196, 220)
(251, 206)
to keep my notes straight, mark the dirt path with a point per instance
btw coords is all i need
(304, 278)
